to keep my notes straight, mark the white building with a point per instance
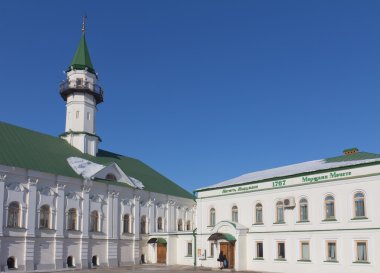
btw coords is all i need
(67, 203)
(317, 216)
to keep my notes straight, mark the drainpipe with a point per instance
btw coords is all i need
(195, 246)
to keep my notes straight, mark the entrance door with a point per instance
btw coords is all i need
(228, 250)
(161, 253)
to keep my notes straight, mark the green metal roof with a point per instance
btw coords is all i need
(32, 150)
(352, 157)
(82, 59)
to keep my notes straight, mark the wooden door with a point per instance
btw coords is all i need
(161, 253)
(228, 250)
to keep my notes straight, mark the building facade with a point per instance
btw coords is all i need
(67, 203)
(317, 216)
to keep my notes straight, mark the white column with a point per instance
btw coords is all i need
(85, 223)
(31, 224)
(152, 216)
(60, 226)
(171, 216)
(136, 229)
(2, 191)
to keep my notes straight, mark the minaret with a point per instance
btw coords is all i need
(82, 95)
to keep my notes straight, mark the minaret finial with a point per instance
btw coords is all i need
(84, 17)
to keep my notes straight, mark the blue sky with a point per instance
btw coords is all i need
(203, 91)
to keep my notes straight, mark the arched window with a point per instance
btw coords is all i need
(259, 213)
(280, 212)
(45, 216)
(304, 214)
(111, 177)
(180, 225)
(159, 224)
(95, 261)
(235, 214)
(14, 215)
(188, 225)
(94, 221)
(126, 223)
(359, 201)
(329, 207)
(212, 217)
(11, 263)
(143, 225)
(72, 219)
(70, 261)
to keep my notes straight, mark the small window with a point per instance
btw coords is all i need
(359, 201)
(280, 212)
(88, 116)
(281, 251)
(235, 214)
(188, 225)
(159, 224)
(361, 251)
(94, 221)
(304, 214)
(11, 263)
(212, 217)
(180, 225)
(331, 251)
(77, 114)
(305, 251)
(189, 249)
(95, 261)
(143, 225)
(259, 250)
(14, 215)
(72, 219)
(45, 216)
(111, 177)
(212, 249)
(126, 223)
(330, 207)
(79, 82)
(70, 261)
(259, 214)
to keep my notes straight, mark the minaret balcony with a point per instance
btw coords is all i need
(68, 87)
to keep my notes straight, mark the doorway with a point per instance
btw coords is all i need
(161, 253)
(229, 250)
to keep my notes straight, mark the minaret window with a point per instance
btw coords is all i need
(88, 115)
(77, 114)
(79, 82)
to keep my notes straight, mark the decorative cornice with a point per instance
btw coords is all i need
(18, 187)
(73, 195)
(97, 198)
(61, 186)
(48, 191)
(32, 181)
(3, 177)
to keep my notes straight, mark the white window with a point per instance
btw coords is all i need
(361, 251)
(72, 219)
(259, 250)
(235, 214)
(304, 213)
(45, 216)
(212, 217)
(143, 225)
(126, 223)
(331, 251)
(281, 250)
(88, 116)
(259, 214)
(14, 215)
(305, 251)
(189, 249)
(94, 221)
(359, 201)
(329, 208)
(280, 212)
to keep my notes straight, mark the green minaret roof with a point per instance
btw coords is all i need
(82, 58)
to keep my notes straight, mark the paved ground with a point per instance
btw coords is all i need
(153, 268)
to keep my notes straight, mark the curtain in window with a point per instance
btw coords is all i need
(359, 207)
(362, 251)
(280, 214)
(259, 213)
(330, 210)
(305, 251)
(332, 251)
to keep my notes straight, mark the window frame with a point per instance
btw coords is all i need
(189, 244)
(94, 221)
(257, 243)
(326, 203)
(280, 205)
(357, 242)
(212, 217)
(126, 223)
(301, 257)
(278, 258)
(45, 212)
(14, 215)
(72, 219)
(235, 214)
(259, 221)
(327, 254)
(303, 203)
(355, 200)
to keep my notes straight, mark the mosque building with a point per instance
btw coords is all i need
(67, 203)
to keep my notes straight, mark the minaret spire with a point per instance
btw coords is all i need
(84, 17)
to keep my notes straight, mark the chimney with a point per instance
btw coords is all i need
(350, 151)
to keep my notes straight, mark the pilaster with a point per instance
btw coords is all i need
(136, 229)
(85, 222)
(61, 217)
(2, 196)
(32, 207)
